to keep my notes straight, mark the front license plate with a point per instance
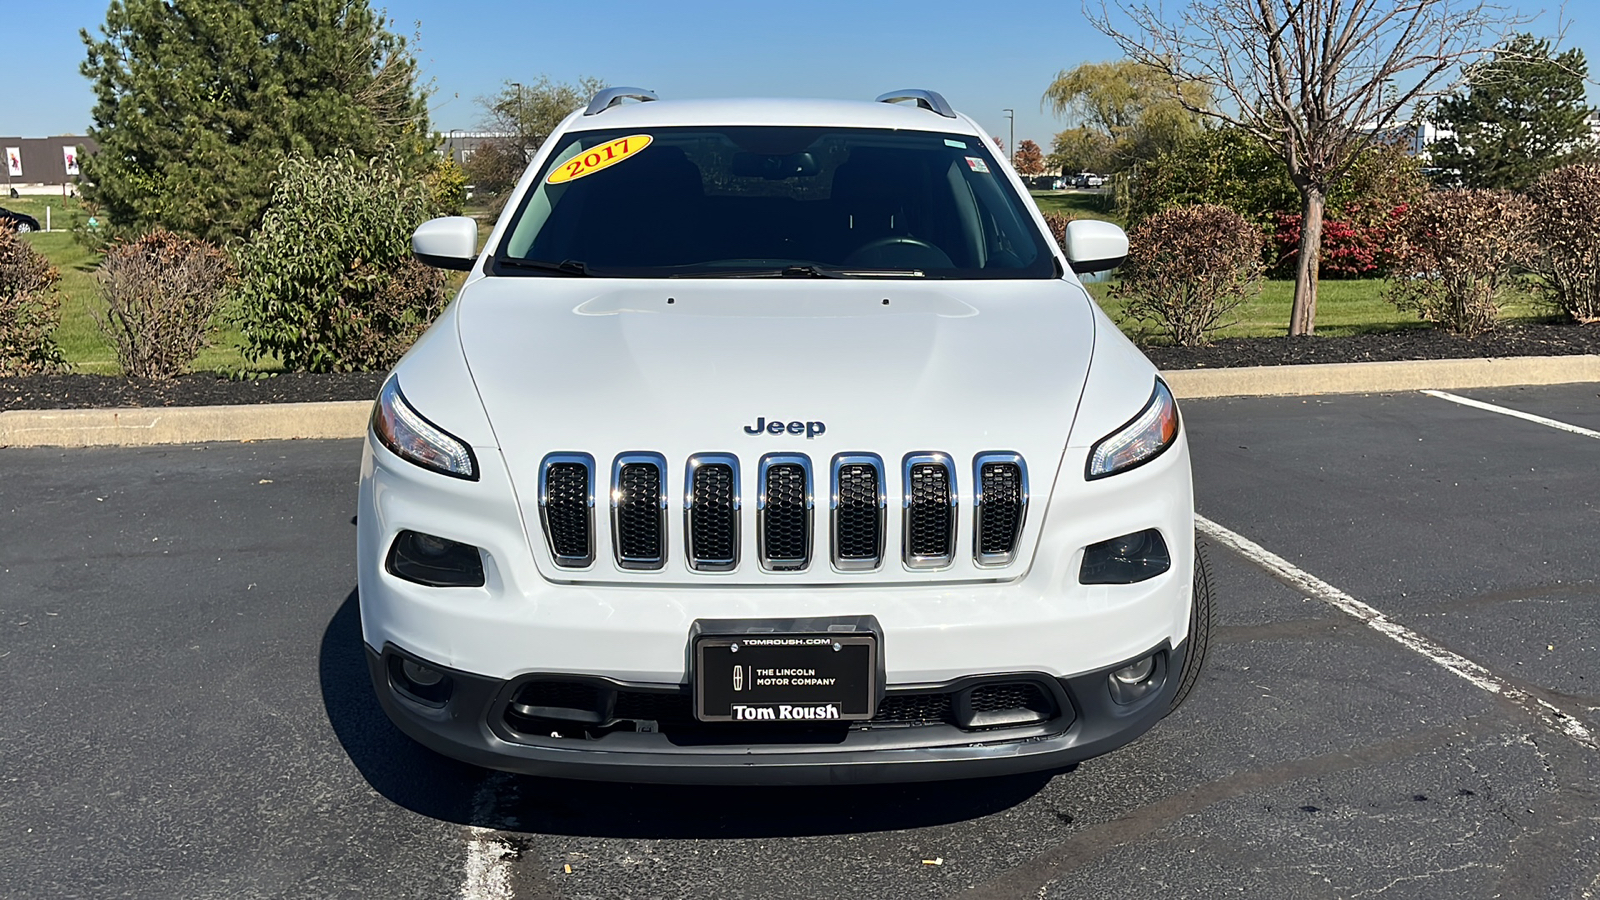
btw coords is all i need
(797, 678)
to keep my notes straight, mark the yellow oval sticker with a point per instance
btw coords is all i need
(601, 157)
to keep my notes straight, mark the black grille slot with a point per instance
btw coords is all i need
(930, 516)
(567, 511)
(1014, 695)
(713, 522)
(638, 519)
(857, 512)
(786, 521)
(913, 709)
(1000, 511)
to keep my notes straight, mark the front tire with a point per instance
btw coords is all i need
(24, 227)
(1202, 618)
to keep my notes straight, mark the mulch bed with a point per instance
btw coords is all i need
(91, 391)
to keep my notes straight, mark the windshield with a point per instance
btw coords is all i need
(759, 201)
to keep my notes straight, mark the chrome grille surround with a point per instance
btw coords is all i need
(997, 520)
(638, 512)
(922, 512)
(777, 516)
(857, 507)
(558, 518)
(701, 512)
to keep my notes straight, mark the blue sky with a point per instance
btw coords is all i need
(983, 56)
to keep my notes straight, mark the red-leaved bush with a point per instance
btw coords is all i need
(1357, 244)
(160, 292)
(30, 309)
(1565, 226)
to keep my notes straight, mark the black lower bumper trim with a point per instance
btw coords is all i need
(465, 728)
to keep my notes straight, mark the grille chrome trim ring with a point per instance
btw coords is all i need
(996, 560)
(696, 562)
(925, 562)
(587, 461)
(856, 564)
(782, 566)
(635, 458)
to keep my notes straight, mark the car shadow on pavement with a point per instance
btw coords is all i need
(426, 783)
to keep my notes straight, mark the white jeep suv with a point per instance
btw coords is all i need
(776, 441)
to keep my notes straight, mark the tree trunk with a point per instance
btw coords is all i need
(1303, 318)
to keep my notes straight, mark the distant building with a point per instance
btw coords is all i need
(33, 165)
(460, 145)
(1412, 137)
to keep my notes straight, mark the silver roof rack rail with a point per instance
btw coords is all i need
(929, 100)
(613, 96)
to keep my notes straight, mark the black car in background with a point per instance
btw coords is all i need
(17, 221)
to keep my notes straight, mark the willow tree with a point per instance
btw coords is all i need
(1316, 80)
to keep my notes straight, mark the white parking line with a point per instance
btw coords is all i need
(1514, 413)
(1474, 673)
(487, 874)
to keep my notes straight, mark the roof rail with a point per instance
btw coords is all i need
(929, 100)
(612, 96)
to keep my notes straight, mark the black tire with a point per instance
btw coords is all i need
(24, 227)
(1201, 620)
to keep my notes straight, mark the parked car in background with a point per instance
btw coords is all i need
(17, 221)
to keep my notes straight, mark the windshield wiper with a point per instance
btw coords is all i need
(800, 272)
(565, 267)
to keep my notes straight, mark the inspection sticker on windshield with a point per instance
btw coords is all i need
(976, 164)
(604, 156)
(959, 145)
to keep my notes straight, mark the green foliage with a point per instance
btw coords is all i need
(447, 186)
(1134, 107)
(160, 292)
(1455, 252)
(1188, 268)
(29, 309)
(1565, 227)
(1080, 150)
(1520, 114)
(327, 283)
(197, 101)
(528, 113)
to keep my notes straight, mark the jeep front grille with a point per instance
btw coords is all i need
(929, 511)
(639, 510)
(566, 508)
(711, 512)
(783, 512)
(1000, 503)
(858, 512)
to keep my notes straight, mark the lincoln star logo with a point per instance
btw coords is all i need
(777, 426)
(738, 678)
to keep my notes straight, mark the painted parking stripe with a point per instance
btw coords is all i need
(1546, 712)
(1514, 413)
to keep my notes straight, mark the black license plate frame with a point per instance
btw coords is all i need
(810, 677)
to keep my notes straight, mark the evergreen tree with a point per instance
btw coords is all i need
(1521, 114)
(198, 102)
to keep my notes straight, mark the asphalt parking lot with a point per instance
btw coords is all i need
(184, 709)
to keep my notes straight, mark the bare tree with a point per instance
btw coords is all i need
(1317, 80)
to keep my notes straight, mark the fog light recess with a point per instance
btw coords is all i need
(1128, 559)
(435, 561)
(419, 681)
(1138, 679)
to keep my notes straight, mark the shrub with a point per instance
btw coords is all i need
(1188, 268)
(1058, 227)
(1565, 225)
(327, 282)
(1454, 249)
(160, 292)
(29, 309)
(1359, 243)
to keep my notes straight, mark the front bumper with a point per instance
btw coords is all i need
(473, 725)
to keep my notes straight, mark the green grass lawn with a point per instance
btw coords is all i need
(1082, 204)
(1343, 308)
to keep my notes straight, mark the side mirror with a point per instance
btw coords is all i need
(447, 243)
(1093, 246)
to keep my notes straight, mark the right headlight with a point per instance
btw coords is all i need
(412, 438)
(1144, 438)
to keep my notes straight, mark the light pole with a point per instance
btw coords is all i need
(518, 86)
(1011, 144)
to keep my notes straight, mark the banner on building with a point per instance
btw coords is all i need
(70, 156)
(14, 161)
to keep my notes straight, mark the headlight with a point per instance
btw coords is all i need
(1150, 433)
(412, 438)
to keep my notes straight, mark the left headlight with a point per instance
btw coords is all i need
(1144, 438)
(412, 438)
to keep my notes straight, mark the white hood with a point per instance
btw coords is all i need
(678, 367)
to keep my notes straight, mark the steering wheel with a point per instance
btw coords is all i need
(899, 251)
